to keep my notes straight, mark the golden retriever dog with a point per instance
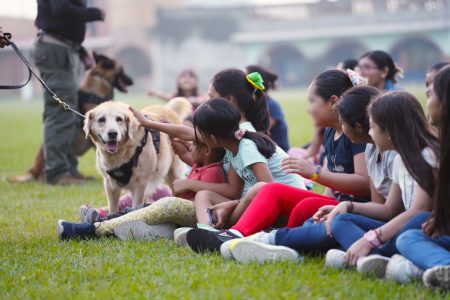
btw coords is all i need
(131, 157)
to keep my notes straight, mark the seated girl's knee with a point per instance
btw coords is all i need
(339, 220)
(271, 187)
(405, 239)
(203, 196)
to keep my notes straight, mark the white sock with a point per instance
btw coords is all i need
(206, 227)
(236, 233)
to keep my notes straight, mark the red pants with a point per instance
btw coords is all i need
(276, 199)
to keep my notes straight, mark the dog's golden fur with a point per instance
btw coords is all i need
(153, 169)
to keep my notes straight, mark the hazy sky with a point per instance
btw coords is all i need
(19, 8)
(27, 8)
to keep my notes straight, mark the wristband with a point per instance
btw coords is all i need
(316, 174)
(350, 209)
(372, 237)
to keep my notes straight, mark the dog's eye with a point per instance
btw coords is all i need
(102, 120)
(119, 119)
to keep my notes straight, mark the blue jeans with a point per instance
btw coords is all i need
(349, 228)
(424, 251)
(310, 237)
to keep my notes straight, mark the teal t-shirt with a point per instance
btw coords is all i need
(248, 155)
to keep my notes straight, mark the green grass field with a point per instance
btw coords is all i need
(35, 264)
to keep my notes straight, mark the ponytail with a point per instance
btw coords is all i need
(263, 142)
(251, 102)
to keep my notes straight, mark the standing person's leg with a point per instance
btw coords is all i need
(273, 200)
(57, 65)
(307, 208)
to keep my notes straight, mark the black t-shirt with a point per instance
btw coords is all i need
(340, 155)
(66, 18)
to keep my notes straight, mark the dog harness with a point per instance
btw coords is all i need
(123, 173)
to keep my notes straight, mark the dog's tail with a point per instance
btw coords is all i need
(181, 106)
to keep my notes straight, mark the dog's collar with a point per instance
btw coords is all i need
(86, 97)
(123, 173)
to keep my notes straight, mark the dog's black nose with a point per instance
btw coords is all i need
(112, 134)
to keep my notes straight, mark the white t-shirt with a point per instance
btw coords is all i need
(380, 169)
(407, 184)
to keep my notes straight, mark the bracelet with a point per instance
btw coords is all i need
(350, 209)
(316, 174)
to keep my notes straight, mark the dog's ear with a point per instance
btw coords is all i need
(88, 122)
(96, 57)
(132, 125)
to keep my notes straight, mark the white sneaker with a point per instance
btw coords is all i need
(437, 277)
(402, 270)
(335, 258)
(226, 247)
(372, 265)
(180, 236)
(140, 231)
(246, 251)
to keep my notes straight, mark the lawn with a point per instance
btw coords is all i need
(35, 264)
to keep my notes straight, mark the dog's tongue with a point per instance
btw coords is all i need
(112, 147)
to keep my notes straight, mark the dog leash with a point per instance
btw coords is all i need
(7, 37)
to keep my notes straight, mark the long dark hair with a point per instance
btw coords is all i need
(220, 118)
(438, 66)
(250, 101)
(440, 221)
(180, 92)
(269, 77)
(401, 115)
(354, 104)
(331, 83)
(383, 60)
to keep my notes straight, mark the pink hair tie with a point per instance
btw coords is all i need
(239, 134)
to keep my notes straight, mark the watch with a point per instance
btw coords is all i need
(316, 174)
(372, 237)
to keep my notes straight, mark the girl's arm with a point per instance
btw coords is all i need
(160, 95)
(422, 202)
(355, 184)
(231, 190)
(174, 130)
(388, 231)
(182, 149)
(376, 197)
(380, 211)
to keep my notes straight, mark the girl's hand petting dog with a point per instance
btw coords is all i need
(223, 211)
(140, 116)
(360, 248)
(298, 166)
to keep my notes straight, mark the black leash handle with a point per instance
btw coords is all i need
(7, 37)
